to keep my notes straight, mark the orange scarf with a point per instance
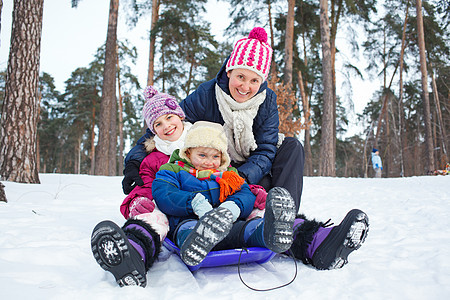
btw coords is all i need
(229, 181)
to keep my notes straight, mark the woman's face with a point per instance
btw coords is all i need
(168, 127)
(243, 84)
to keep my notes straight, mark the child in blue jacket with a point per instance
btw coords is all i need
(207, 202)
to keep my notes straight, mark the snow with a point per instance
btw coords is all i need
(45, 250)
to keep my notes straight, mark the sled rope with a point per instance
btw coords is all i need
(269, 289)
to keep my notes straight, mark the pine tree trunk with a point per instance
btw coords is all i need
(335, 16)
(151, 59)
(442, 131)
(273, 65)
(2, 191)
(121, 143)
(308, 171)
(92, 172)
(426, 99)
(113, 140)
(104, 155)
(327, 153)
(20, 111)
(401, 119)
(289, 44)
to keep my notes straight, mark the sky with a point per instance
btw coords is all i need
(71, 37)
(45, 253)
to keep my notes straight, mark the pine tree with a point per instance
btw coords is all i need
(20, 110)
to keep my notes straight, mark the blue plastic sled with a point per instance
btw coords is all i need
(227, 257)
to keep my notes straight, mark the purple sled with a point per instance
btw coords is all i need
(227, 257)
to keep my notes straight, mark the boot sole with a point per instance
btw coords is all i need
(114, 253)
(279, 220)
(210, 230)
(341, 241)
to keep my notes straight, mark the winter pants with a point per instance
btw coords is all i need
(287, 169)
(377, 172)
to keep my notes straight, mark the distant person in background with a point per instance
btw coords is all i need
(376, 163)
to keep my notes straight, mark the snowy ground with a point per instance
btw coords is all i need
(45, 245)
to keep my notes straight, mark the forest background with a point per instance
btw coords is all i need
(88, 126)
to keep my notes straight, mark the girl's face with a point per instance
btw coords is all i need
(203, 158)
(168, 127)
(243, 84)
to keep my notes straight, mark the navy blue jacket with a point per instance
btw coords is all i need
(201, 105)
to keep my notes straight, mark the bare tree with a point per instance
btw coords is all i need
(425, 96)
(107, 138)
(327, 149)
(20, 110)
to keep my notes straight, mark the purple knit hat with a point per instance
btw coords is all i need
(158, 104)
(252, 53)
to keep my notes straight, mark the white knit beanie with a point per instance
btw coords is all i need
(207, 134)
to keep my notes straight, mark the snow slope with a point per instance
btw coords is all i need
(45, 250)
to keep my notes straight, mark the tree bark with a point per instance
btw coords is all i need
(327, 152)
(273, 66)
(401, 120)
(442, 130)
(308, 171)
(151, 59)
(92, 172)
(289, 44)
(426, 99)
(2, 193)
(20, 111)
(104, 155)
(121, 143)
(335, 16)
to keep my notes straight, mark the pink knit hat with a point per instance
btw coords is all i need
(252, 53)
(158, 104)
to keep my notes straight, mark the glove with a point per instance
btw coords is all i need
(200, 205)
(141, 205)
(376, 166)
(381, 168)
(132, 178)
(231, 206)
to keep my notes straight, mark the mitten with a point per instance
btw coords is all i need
(132, 177)
(229, 183)
(141, 205)
(231, 206)
(261, 195)
(200, 205)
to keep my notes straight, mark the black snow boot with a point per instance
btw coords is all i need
(127, 252)
(198, 238)
(327, 247)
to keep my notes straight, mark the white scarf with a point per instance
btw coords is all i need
(167, 147)
(238, 125)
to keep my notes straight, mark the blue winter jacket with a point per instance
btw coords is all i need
(202, 105)
(376, 161)
(174, 188)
